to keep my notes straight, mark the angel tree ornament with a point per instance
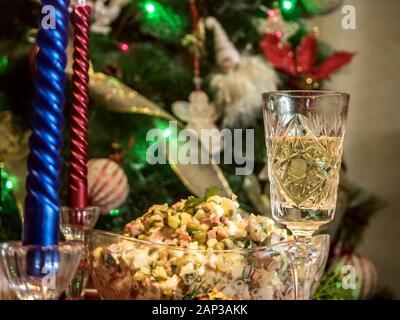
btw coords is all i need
(243, 80)
(276, 24)
(200, 114)
(104, 13)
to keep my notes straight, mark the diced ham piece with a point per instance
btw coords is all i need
(133, 228)
(256, 276)
(163, 255)
(211, 234)
(182, 235)
(214, 219)
(222, 234)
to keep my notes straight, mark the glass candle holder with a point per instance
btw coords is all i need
(75, 224)
(37, 272)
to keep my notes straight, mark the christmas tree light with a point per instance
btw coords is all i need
(166, 133)
(149, 7)
(8, 182)
(3, 63)
(288, 5)
(115, 212)
(161, 20)
(124, 47)
(9, 185)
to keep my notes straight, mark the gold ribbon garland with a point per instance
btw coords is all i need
(120, 98)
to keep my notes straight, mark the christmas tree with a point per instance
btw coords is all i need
(149, 61)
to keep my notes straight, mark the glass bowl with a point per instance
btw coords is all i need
(125, 268)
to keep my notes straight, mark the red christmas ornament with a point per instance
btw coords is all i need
(300, 63)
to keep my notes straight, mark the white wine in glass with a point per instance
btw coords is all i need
(304, 137)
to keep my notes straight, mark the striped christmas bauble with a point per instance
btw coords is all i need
(359, 274)
(107, 184)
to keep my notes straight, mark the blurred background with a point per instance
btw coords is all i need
(205, 64)
(372, 144)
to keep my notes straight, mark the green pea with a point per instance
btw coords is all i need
(200, 237)
(192, 226)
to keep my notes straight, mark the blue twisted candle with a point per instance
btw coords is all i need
(42, 204)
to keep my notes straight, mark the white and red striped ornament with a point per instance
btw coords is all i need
(365, 272)
(107, 184)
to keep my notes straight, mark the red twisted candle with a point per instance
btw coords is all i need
(196, 30)
(77, 182)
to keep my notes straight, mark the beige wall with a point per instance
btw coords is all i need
(372, 147)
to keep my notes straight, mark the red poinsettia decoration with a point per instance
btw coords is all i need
(301, 63)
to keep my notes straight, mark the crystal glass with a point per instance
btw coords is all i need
(75, 223)
(5, 291)
(39, 273)
(304, 136)
(124, 268)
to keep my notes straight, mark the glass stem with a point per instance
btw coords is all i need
(301, 253)
(302, 235)
(77, 287)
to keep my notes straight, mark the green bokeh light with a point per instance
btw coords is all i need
(149, 7)
(9, 185)
(115, 212)
(166, 132)
(3, 63)
(288, 4)
(161, 20)
(8, 181)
